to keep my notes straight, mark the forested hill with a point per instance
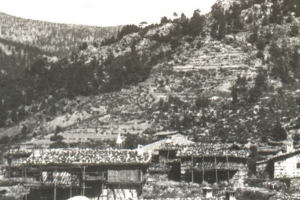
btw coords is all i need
(231, 75)
(58, 39)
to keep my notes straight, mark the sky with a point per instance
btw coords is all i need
(102, 13)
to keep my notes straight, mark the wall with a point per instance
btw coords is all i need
(62, 178)
(125, 175)
(239, 177)
(287, 168)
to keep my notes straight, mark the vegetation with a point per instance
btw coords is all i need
(33, 83)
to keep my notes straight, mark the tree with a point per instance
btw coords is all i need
(218, 29)
(95, 44)
(295, 61)
(260, 80)
(196, 23)
(202, 102)
(59, 144)
(253, 152)
(24, 130)
(126, 30)
(252, 161)
(234, 94)
(294, 30)
(58, 129)
(260, 44)
(83, 46)
(296, 138)
(56, 138)
(142, 24)
(4, 139)
(265, 21)
(278, 132)
(253, 94)
(164, 20)
(276, 16)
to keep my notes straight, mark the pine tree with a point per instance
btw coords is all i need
(278, 132)
(196, 24)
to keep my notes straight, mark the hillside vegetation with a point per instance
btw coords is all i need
(231, 75)
(57, 39)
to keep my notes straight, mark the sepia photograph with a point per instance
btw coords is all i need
(150, 100)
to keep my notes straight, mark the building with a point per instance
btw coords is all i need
(164, 134)
(282, 166)
(267, 152)
(198, 162)
(13, 160)
(212, 162)
(175, 139)
(63, 173)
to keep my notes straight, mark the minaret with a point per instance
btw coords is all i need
(119, 141)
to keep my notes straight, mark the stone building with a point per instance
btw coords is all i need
(63, 173)
(284, 167)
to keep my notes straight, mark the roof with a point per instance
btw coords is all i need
(280, 156)
(211, 149)
(18, 152)
(88, 157)
(165, 133)
(268, 149)
(177, 139)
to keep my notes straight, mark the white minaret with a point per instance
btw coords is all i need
(119, 141)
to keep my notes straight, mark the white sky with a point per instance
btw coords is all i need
(102, 13)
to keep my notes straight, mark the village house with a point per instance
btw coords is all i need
(62, 173)
(198, 162)
(284, 166)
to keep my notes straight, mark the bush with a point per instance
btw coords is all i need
(56, 138)
(260, 44)
(59, 144)
(252, 38)
(278, 132)
(260, 55)
(253, 94)
(202, 102)
(4, 140)
(294, 31)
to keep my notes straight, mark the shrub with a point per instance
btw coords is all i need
(260, 55)
(260, 44)
(4, 140)
(59, 144)
(278, 132)
(202, 102)
(56, 138)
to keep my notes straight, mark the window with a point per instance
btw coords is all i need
(298, 165)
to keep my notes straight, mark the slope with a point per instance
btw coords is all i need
(230, 75)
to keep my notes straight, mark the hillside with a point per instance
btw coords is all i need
(57, 39)
(231, 75)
